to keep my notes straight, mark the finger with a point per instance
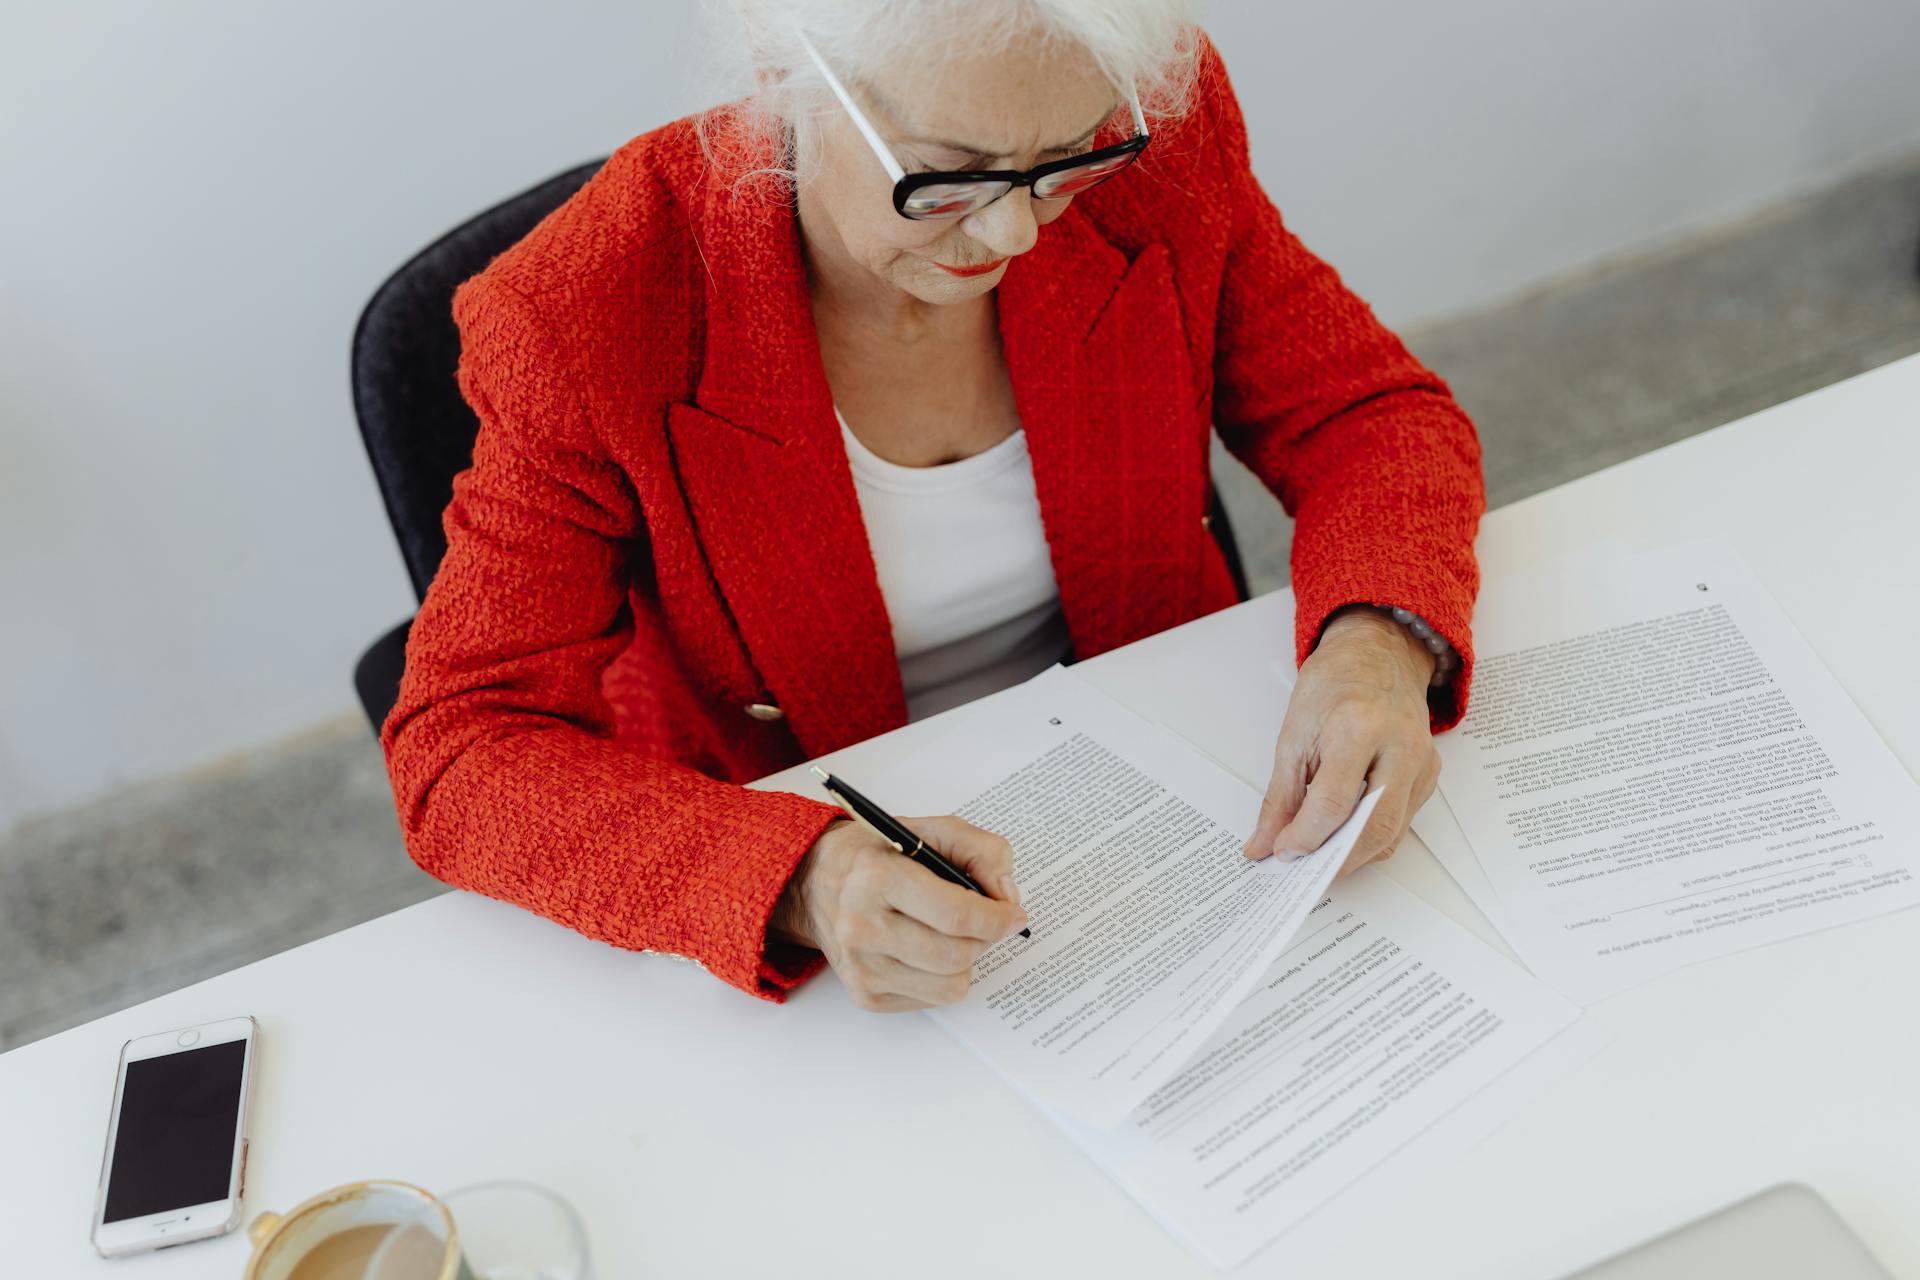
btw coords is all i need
(876, 984)
(887, 1002)
(917, 984)
(984, 856)
(1424, 787)
(919, 947)
(1388, 821)
(1331, 796)
(946, 907)
(1285, 790)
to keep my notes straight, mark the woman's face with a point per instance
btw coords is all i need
(1014, 110)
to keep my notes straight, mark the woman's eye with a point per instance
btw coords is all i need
(967, 164)
(927, 161)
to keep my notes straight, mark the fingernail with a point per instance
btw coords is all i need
(1009, 890)
(1290, 855)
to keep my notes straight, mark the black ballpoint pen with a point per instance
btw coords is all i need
(895, 833)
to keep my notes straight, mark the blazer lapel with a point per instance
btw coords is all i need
(1101, 375)
(766, 476)
(1098, 358)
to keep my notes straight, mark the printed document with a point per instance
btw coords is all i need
(1148, 924)
(1380, 1018)
(1655, 769)
(1235, 1043)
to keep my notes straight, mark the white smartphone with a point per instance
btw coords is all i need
(176, 1157)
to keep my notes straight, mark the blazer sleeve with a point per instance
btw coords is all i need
(501, 750)
(1365, 447)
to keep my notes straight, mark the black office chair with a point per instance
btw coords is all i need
(417, 427)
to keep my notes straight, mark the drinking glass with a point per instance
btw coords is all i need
(505, 1231)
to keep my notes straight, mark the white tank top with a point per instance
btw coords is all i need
(964, 569)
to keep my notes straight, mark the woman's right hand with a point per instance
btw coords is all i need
(899, 936)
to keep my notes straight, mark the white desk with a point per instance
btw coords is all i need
(703, 1133)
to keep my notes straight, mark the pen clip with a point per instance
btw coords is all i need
(862, 820)
(827, 781)
(853, 810)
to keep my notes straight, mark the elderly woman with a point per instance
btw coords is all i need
(886, 387)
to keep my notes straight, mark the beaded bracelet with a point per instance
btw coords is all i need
(1444, 657)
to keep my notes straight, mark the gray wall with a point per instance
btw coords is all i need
(201, 195)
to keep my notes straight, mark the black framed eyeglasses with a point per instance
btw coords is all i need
(955, 194)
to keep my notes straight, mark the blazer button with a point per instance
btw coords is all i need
(1206, 522)
(764, 711)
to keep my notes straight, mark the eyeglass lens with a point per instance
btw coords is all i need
(952, 199)
(1069, 182)
(957, 199)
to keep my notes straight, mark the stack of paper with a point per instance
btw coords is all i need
(1655, 769)
(1234, 1042)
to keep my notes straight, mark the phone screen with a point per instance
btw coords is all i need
(174, 1145)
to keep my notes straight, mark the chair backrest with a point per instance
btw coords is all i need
(417, 428)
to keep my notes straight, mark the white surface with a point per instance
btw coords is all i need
(189, 534)
(702, 1132)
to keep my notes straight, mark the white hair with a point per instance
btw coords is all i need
(1149, 44)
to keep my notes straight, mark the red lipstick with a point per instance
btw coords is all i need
(971, 271)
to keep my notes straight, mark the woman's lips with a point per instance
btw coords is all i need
(980, 270)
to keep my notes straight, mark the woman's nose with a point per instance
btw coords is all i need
(1006, 226)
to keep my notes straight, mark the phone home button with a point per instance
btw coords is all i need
(189, 1038)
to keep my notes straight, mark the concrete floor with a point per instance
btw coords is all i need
(164, 884)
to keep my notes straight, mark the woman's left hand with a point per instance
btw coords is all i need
(1357, 722)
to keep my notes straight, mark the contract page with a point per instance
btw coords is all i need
(1656, 769)
(1380, 1018)
(1148, 924)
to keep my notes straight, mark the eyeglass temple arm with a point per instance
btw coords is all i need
(894, 170)
(872, 136)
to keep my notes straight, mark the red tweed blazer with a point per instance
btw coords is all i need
(660, 530)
